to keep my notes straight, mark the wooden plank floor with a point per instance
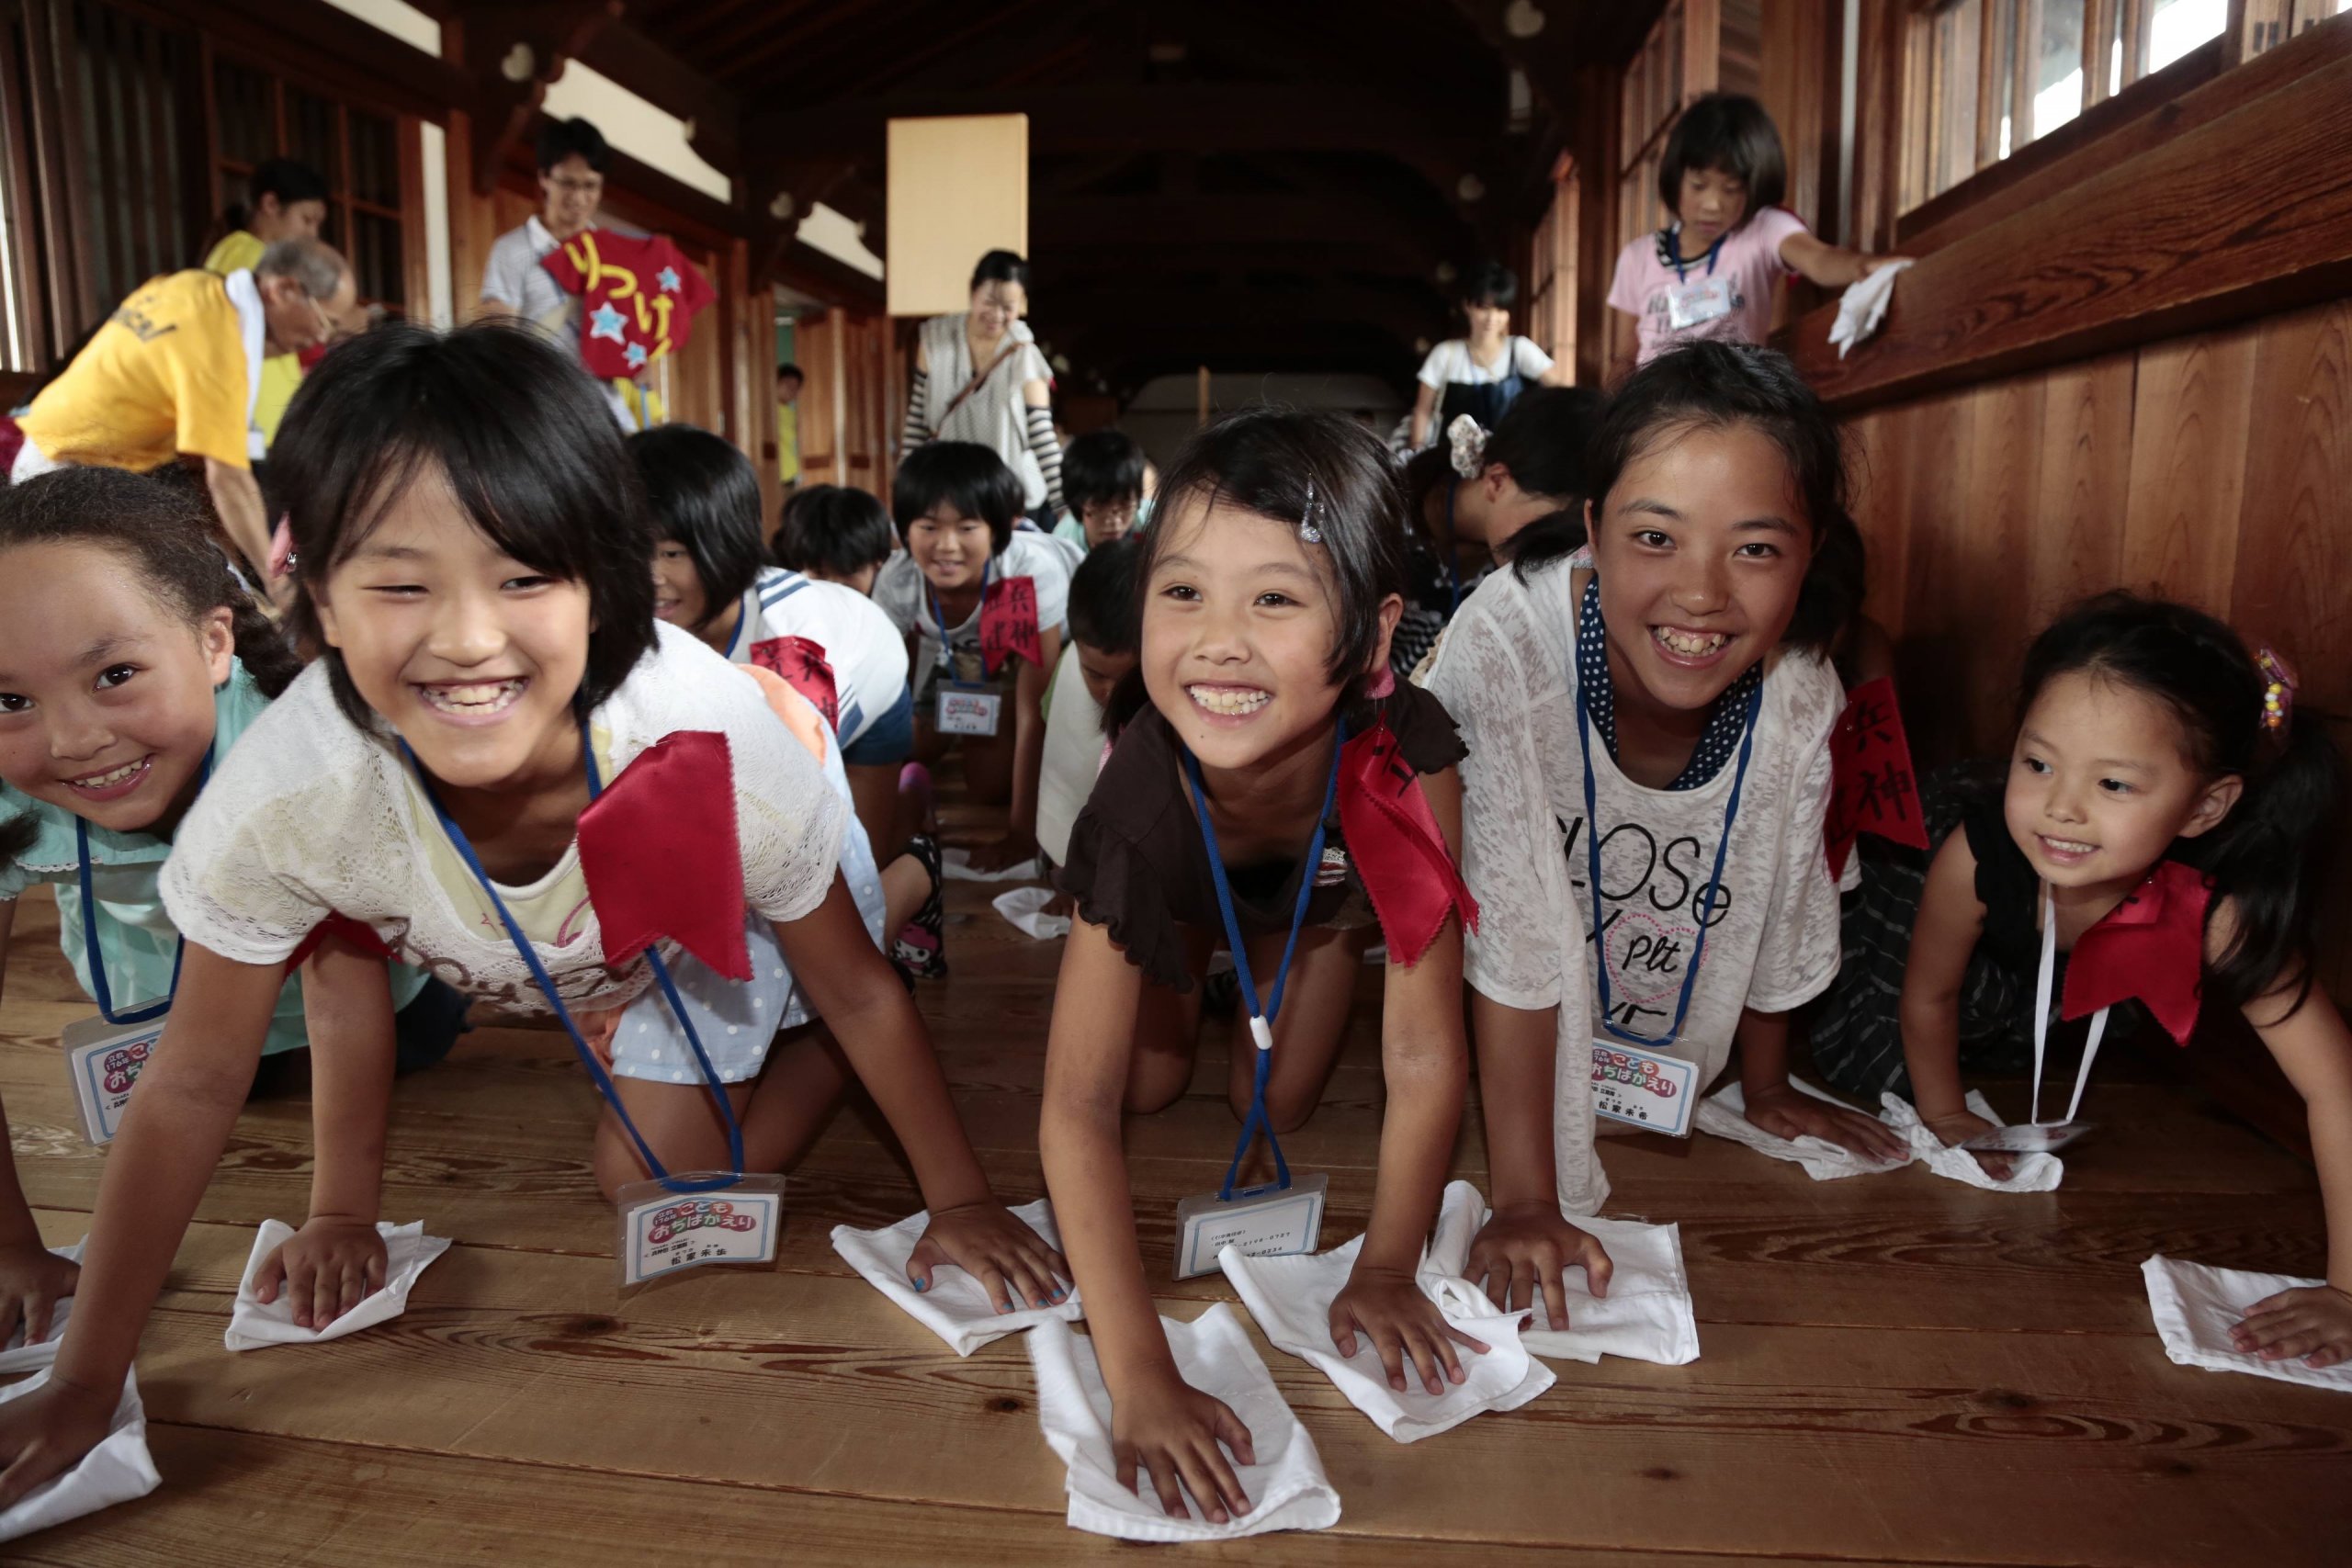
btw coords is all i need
(1895, 1369)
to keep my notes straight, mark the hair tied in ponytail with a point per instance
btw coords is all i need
(1469, 443)
(2278, 692)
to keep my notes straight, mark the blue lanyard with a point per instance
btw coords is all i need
(1262, 1021)
(1452, 556)
(946, 660)
(90, 931)
(547, 987)
(735, 637)
(1715, 880)
(1674, 251)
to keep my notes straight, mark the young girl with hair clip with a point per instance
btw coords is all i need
(1470, 496)
(1270, 594)
(130, 662)
(2156, 838)
(1648, 712)
(507, 772)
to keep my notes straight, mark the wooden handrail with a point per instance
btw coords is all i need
(2243, 212)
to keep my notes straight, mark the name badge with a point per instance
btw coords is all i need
(969, 713)
(2029, 1138)
(1643, 1088)
(1701, 299)
(1256, 1225)
(103, 1060)
(663, 1232)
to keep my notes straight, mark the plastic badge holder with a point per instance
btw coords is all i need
(662, 1232)
(1266, 1221)
(2030, 1138)
(1643, 1088)
(963, 712)
(103, 1061)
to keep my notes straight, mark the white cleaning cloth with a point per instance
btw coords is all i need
(19, 1357)
(1724, 1114)
(2195, 1306)
(1291, 1298)
(252, 1326)
(1647, 1316)
(1286, 1488)
(2027, 1172)
(1863, 306)
(956, 1307)
(117, 1470)
(957, 866)
(1026, 908)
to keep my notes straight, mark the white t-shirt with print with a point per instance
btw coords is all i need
(906, 597)
(1450, 362)
(1506, 674)
(311, 814)
(868, 655)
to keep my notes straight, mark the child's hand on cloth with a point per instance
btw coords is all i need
(1389, 1308)
(2312, 1321)
(1958, 1127)
(1170, 1430)
(989, 1242)
(47, 1433)
(326, 1269)
(1010, 850)
(33, 1279)
(1521, 1253)
(1780, 1110)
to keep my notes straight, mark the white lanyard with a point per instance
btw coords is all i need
(2041, 1016)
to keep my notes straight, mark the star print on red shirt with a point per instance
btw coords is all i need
(639, 298)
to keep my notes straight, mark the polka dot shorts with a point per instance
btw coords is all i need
(736, 1022)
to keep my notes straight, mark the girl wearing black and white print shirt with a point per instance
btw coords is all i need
(1664, 675)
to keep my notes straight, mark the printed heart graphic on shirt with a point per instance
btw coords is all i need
(1636, 973)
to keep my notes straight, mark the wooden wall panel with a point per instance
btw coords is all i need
(2191, 415)
(2076, 539)
(1995, 541)
(2292, 580)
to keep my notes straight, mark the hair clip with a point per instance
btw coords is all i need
(1469, 443)
(2277, 691)
(1309, 534)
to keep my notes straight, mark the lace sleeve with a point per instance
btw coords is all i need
(788, 821)
(1798, 954)
(1511, 842)
(231, 883)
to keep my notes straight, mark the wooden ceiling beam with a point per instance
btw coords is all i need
(509, 53)
(1249, 225)
(1201, 117)
(713, 113)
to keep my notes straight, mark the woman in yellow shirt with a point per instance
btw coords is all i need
(285, 200)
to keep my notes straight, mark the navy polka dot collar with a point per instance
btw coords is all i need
(1723, 725)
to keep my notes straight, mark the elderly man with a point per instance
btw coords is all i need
(173, 373)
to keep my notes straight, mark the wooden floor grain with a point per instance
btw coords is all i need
(1895, 1369)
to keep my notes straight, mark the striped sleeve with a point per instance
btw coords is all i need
(1048, 453)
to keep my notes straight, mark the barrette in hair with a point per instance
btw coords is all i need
(1309, 534)
(2277, 691)
(1469, 443)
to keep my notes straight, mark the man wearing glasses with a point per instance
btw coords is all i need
(572, 160)
(172, 373)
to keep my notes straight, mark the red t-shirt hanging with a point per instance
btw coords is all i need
(637, 297)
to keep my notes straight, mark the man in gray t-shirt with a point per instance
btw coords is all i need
(572, 158)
